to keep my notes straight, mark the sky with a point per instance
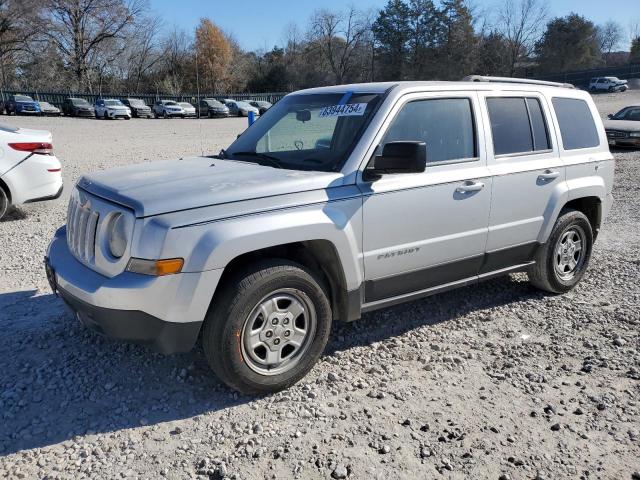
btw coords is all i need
(259, 24)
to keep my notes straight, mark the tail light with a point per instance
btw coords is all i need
(33, 147)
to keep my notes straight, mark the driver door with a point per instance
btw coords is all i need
(426, 230)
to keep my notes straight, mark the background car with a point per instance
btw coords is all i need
(210, 107)
(167, 109)
(608, 84)
(47, 109)
(189, 110)
(21, 104)
(138, 108)
(241, 109)
(29, 171)
(261, 105)
(623, 128)
(78, 107)
(112, 108)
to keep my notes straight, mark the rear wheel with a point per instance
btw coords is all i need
(267, 327)
(563, 260)
(4, 203)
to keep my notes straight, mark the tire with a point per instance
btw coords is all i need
(210, 114)
(4, 203)
(551, 272)
(236, 309)
(105, 116)
(164, 114)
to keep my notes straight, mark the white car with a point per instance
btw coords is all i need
(189, 110)
(111, 108)
(167, 109)
(608, 84)
(29, 172)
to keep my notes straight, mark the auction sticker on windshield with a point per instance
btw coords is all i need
(348, 110)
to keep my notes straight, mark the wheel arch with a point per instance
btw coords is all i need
(591, 206)
(6, 189)
(320, 256)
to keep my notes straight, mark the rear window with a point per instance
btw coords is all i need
(577, 127)
(517, 125)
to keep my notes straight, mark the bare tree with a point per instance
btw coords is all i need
(19, 24)
(609, 37)
(142, 52)
(520, 23)
(633, 28)
(80, 27)
(338, 35)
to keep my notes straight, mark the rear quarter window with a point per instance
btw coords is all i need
(577, 128)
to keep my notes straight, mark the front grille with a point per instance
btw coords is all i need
(81, 230)
(616, 134)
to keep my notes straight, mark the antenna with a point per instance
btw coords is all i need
(198, 100)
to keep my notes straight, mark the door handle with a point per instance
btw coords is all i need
(470, 186)
(549, 175)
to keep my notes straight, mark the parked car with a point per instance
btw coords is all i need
(241, 109)
(111, 109)
(78, 107)
(167, 109)
(189, 110)
(138, 108)
(209, 107)
(623, 128)
(608, 84)
(21, 105)
(344, 200)
(29, 171)
(261, 105)
(47, 109)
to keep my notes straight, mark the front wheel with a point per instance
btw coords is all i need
(267, 327)
(563, 260)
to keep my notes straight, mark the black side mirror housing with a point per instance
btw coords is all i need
(610, 115)
(400, 157)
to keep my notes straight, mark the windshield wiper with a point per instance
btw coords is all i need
(274, 161)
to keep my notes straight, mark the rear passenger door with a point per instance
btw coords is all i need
(527, 170)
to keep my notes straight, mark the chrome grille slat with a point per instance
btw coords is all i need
(82, 224)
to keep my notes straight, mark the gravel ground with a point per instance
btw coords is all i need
(495, 381)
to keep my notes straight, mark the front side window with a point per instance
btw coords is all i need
(576, 123)
(629, 113)
(517, 125)
(307, 132)
(446, 125)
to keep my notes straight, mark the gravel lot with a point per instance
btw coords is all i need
(494, 381)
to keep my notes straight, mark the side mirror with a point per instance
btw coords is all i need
(303, 115)
(610, 115)
(400, 157)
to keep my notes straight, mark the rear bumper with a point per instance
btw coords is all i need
(35, 179)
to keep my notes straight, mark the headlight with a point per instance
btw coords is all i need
(117, 235)
(635, 134)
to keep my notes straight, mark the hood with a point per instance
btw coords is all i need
(161, 187)
(623, 125)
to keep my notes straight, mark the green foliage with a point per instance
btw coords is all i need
(634, 56)
(569, 43)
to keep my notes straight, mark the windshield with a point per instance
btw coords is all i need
(113, 103)
(136, 103)
(171, 103)
(214, 103)
(629, 113)
(243, 105)
(307, 132)
(23, 98)
(185, 105)
(79, 101)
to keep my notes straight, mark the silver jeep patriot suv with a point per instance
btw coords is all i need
(339, 201)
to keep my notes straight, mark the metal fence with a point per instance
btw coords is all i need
(581, 78)
(56, 98)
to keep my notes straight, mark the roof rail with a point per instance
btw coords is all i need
(482, 78)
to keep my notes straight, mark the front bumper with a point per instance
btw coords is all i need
(117, 114)
(165, 313)
(85, 113)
